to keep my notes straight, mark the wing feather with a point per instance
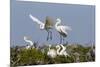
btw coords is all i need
(66, 28)
(36, 20)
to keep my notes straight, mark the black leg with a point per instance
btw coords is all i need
(47, 36)
(50, 35)
(60, 39)
(63, 40)
(67, 42)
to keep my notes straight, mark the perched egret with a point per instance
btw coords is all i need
(61, 52)
(52, 52)
(61, 29)
(29, 41)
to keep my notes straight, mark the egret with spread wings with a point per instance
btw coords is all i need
(48, 25)
(61, 29)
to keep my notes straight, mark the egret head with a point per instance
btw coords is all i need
(25, 37)
(41, 27)
(58, 20)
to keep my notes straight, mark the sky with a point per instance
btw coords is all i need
(81, 18)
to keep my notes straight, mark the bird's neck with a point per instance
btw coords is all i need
(49, 48)
(58, 51)
(63, 48)
(29, 41)
(57, 24)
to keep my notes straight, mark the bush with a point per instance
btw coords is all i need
(33, 56)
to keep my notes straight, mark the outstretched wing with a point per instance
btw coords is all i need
(36, 20)
(49, 22)
(63, 30)
(66, 28)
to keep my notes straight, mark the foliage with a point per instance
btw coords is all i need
(33, 56)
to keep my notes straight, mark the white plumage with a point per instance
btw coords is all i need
(37, 21)
(61, 52)
(28, 41)
(52, 52)
(28, 46)
(61, 29)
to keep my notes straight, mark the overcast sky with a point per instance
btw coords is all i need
(81, 18)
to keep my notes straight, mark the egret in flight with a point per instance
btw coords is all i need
(61, 29)
(48, 25)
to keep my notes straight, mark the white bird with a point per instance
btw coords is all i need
(28, 46)
(61, 29)
(61, 52)
(91, 53)
(29, 41)
(48, 25)
(77, 56)
(52, 52)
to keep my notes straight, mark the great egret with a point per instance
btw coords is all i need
(48, 25)
(77, 56)
(91, 53)
(29, 41)
(61, 52)
(61, 29)
(27, 46)
(52, 52)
